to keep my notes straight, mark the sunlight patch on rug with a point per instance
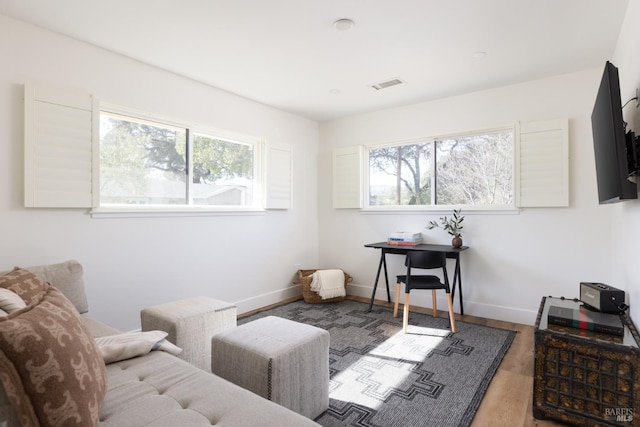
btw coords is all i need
(417, 344)
(369, 381)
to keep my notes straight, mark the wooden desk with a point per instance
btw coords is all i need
(385, 248)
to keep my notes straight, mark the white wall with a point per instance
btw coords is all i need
(133, 263)
(513, 260)
(626, 216)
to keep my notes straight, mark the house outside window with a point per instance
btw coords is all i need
(157, 164)
(474, 169)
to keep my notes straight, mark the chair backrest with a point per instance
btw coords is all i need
(425, 259)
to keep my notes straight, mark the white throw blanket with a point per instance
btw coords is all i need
(114, 348)
(328, 283)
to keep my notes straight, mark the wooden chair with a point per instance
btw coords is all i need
(424, 260)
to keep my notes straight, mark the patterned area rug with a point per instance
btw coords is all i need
(381, 377)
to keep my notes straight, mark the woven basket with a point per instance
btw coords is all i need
(311, 297)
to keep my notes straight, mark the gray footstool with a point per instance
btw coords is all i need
(279, 359)
(190, 324)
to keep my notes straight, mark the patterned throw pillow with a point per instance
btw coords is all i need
(24, 283)
(50, 366)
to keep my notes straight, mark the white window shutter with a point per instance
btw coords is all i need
(59, 148)
(347, 177)
(543, 164)
(278, 175)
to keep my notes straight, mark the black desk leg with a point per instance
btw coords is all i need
(383, 262)
(460, 284)
(375, 284)
(386, 275)
(457, 281)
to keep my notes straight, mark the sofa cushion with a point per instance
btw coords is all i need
(50, 366)
(161, 390)
(98, 328)
(67, 277)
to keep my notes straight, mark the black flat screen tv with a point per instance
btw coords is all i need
(609, 141)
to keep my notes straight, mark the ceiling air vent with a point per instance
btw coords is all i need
(386, 84)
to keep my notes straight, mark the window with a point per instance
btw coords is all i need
(158, 164)
(472, 170)
(526, 165)
(80, 153)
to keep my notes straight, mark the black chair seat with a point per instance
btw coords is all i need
(421, 282)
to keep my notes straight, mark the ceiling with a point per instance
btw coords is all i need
(287, 53)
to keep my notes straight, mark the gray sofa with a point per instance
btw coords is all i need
(158, 389)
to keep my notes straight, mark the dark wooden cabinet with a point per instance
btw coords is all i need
(585, 378)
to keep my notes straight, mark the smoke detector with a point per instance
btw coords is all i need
(344, 24)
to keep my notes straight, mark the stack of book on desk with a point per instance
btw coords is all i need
(404, 238)
(586, 319)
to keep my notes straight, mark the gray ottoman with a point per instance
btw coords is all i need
(279, 359)
(190, 324)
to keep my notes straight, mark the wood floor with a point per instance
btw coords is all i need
(509, 398)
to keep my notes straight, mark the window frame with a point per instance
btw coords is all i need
(432, 140)
(189, 209)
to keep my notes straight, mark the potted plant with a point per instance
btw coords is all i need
(451, 226)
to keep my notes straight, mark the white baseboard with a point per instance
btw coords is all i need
(508, 314)
(420, 299)
(423, 299)
(269, 298)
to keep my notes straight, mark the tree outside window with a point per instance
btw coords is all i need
(145, 163)
(466, 170)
